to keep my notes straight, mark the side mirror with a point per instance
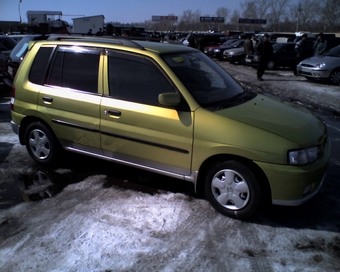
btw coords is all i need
(169, 99)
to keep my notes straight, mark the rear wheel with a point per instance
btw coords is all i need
(334, 78)
(233, 189)
(41, 143)
(270, 65)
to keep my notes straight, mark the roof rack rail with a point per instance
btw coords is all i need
(127, 41)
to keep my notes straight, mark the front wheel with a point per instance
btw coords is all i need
(233, 189)
(334, 78)
(41, 143)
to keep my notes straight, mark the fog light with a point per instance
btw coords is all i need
(316, 74)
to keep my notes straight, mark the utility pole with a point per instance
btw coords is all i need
(20, 11)
(298, 19)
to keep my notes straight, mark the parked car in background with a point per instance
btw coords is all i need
(235, 55)
(7, 44)
(191, 121)
(217, 52)
(209, 49)
(322, 67)
(3, 65)
(208, 39)
(17, 37)
(17, 55)
(284, 55)
(274, 35)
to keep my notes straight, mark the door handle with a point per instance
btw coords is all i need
(112, 112)
(48, 100)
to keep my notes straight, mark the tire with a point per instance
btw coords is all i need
(334, 78)
(270, 65)
(233, 190)
(242, 60)
(41, 143)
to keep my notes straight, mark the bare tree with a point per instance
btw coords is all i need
(277, 10)
(304, 13)
(330, 15)
(223, 12)
(248, 9)
(262, 7)
(234, 19)
(190, 20)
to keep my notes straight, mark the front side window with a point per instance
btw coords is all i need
(75, 68)
(208, 83)
(136, 79)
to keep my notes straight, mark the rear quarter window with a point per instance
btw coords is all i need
(39, 65)
(75, 68)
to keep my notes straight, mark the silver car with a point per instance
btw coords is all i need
(235, 55)
(323, 67)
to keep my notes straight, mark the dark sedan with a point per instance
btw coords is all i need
(284, 55)
(6, 46)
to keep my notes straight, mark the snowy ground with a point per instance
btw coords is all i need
(104, 217)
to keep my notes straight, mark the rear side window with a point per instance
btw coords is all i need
(75, 68)
(39, 65)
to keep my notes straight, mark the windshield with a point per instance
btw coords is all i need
(7, 43)
(208, 83)
(229, 42)
(334, 52)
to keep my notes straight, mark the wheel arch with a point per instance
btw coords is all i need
(26, 122)
(208, 163)
(337, 69)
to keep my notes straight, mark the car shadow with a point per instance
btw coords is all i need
(320, 213)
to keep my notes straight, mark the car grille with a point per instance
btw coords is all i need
(307, 65)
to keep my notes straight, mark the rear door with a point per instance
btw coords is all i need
(70, 99)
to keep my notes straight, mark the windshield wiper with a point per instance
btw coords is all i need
(236, 98)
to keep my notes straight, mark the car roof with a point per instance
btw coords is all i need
(156, 47)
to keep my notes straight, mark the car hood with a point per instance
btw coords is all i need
(317, 59)
(281, 118)
(235, 50)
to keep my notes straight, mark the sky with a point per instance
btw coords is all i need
(124, 11)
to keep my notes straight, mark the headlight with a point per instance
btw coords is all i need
(320, 65)
(217, 50)
(304, 156)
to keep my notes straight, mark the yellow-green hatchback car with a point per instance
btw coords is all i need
(171, 110)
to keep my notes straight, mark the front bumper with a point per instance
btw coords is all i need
(230, 57)
(251, 62)
(15, 127)
(294, 185)
(313, 72)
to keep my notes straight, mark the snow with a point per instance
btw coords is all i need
(88, 227)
